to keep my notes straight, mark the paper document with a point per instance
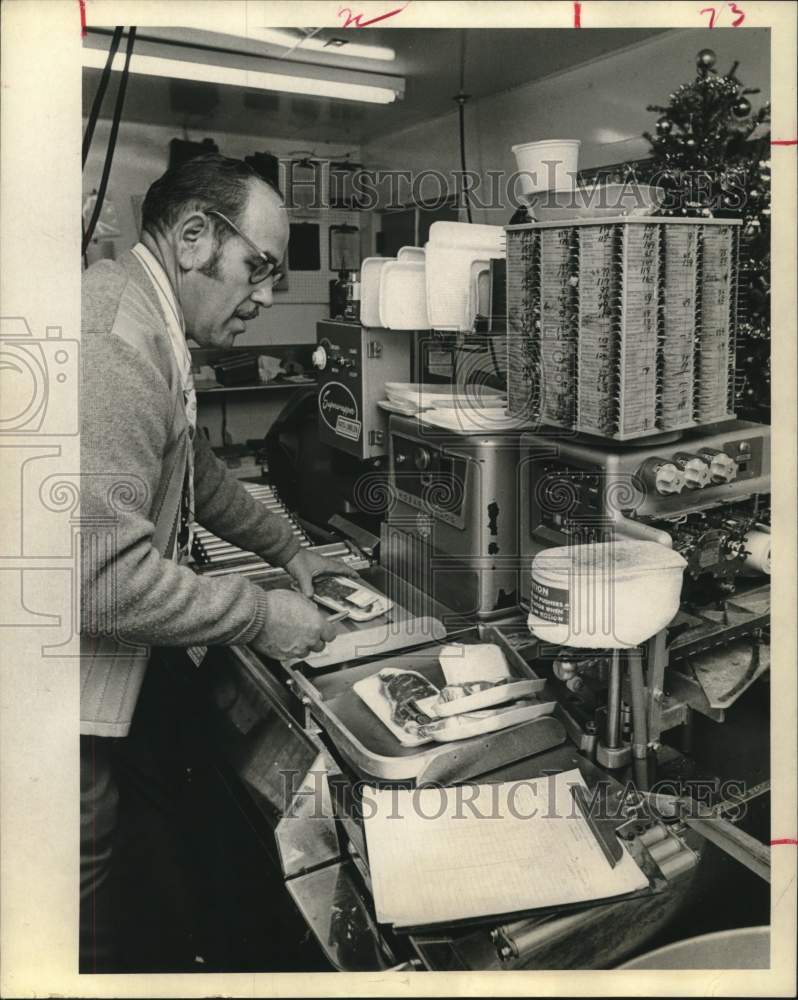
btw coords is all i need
(443, 854)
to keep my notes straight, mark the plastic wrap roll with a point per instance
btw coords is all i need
(757, 545)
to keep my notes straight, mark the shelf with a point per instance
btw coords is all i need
(258, 387)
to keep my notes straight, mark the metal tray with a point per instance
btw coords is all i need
(375, 754)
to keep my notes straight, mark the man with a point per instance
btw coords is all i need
(213, 236)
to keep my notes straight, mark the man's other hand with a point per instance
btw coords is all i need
(294, 627)
(306, 564)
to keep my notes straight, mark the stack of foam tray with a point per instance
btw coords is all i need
(213, 556)
(622, 328)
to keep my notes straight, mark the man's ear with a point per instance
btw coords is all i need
(195, 242)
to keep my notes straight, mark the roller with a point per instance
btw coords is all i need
(757, 546)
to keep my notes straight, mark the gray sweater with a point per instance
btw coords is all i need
(134, 440)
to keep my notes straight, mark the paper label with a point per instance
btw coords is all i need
(348, 428)
(549, 603)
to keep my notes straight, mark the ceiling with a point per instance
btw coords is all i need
(429, 59)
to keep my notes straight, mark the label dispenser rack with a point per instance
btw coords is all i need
(622, 328)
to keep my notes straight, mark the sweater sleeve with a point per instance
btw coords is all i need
(126, 585)
(223, 506)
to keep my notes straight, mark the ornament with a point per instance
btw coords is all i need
(741, 108)
(664, 126)
(706, 59)
(690, 143)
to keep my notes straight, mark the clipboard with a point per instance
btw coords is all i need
(457, 875)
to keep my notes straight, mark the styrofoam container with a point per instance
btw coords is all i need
(548, 165)
(604, 595)
(478, 290)
(432, 394)
(467, 236)
(403, 296)
(370, 272)
(448, 284)
(410, 253)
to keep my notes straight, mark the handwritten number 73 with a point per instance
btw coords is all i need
(714, 13)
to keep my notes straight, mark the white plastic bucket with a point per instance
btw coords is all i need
(549, 165)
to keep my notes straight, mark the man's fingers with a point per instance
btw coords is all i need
(328, 632)
(334, 567)
(319, 646)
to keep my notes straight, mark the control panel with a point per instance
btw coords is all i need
(354, 363)
(696, 472)
(708, 491)
(428, 478)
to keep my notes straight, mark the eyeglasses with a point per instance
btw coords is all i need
(270, 268)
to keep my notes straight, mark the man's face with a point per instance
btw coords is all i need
(216, 295)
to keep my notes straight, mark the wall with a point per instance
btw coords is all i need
(602, 103)
(141, 155)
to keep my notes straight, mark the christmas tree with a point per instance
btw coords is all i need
(707, 159)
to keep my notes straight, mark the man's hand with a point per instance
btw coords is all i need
(306, 564)
(294, 627)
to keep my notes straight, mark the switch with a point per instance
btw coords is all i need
(422, 459)
(319, 358)
(694, 469)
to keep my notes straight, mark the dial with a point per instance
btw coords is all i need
(722, 467)
(662, 475)
(422, 459)
(668, 479)
(319, 358)
(694, 468)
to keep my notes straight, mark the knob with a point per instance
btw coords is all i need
(422, 459)
(694, 468)
(722, 467)
(319, 358)
(662, 475)
(399, 459)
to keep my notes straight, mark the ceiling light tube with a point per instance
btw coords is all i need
(314, 43)
(251, 72)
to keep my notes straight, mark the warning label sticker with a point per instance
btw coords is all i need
(348, 428)
(549, 603)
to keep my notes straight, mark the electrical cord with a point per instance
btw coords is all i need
(94, 114)
(109, 156)
(461, 99)
(493, 358)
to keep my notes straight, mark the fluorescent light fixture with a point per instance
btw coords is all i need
(251, 72)
(330, 46)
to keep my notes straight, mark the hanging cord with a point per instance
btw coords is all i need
(109, 156)
(461, 99)
(100, 95)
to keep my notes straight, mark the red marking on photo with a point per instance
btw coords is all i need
(784, 142)
(356, 20)
(82, 5)
(577, 15)
(784, 840)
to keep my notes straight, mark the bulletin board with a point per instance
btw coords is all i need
(314, 286)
